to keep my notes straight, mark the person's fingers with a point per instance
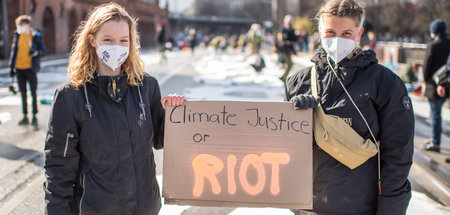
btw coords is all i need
(181, 99)
(177, 100)
(309, 102)
(163, 103)
(303, 102)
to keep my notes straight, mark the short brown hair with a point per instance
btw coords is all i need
(342, 8)
(24, 19)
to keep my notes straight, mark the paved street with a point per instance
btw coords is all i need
(203, 76)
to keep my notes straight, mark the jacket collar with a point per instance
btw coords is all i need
(113, 87)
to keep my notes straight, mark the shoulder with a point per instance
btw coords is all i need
(381, 73)
(150, 85)
(66, 91)
(37, 33)
(384, 80)
(149, 81)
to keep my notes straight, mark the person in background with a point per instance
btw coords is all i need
(104, 123)
(26, 52)
(192, 39)
(436, 56)
(370, 99)
(411, 77)
(161, 40)
(255, 39)
(289, 38)
(372, 40)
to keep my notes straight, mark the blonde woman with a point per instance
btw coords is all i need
(104, 123)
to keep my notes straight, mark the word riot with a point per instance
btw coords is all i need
(207, 166)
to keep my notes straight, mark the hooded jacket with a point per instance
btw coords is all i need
(37, 44)
(98, 150)
(383, 100)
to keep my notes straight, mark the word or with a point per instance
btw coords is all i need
(207, 166)
(275, 124)
(199, 137)
(222, 117)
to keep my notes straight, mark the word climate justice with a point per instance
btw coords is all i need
(254, 117)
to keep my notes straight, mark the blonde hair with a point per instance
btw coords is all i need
(342, 8)
(83, 60)
(23, 19)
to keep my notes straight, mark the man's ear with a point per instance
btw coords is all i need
(92, 40)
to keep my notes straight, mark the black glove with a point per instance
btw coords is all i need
(303, 102)
(12, 73)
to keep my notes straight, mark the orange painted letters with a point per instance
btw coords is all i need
(208, 166)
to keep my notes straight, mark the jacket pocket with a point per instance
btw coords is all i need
(69, 135)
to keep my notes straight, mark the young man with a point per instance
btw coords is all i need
(27, 49)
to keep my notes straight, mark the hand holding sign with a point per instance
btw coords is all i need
(172, 99)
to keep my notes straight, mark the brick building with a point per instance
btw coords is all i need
(58, 19)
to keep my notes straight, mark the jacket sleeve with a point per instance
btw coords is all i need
(61, 156)
(158, 114)
(447, 65)
(40, 46)
(396, 122)
(427, 64)
(13, 55)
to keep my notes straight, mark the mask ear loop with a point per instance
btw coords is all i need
(364, 119)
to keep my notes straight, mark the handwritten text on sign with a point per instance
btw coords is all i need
(238, 154)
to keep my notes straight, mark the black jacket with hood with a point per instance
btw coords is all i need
(382, 98)
(98, 150)
(438, 51)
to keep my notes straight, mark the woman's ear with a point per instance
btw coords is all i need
(92, 40)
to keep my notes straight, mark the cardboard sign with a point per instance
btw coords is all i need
(238, 154)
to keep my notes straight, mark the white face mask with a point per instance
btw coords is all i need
(112, 56)
(21, 29)
(338, 48)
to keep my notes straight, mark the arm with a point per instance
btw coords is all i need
(13, 55)
(61, 157)
(396, 135)
(40, 46)
(428, 62)
(157, 113)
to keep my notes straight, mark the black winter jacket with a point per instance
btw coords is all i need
(382, 98)
(436, 56)
(98, 150)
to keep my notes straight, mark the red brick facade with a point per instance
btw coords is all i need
(58, 19)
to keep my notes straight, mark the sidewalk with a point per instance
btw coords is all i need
(422, 109)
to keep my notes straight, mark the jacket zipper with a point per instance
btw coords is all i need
(114, 86)
(69, 135)
(82, 196)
